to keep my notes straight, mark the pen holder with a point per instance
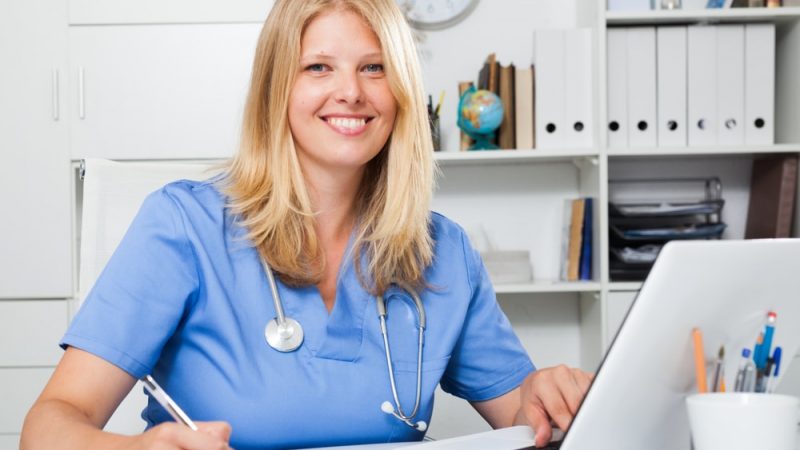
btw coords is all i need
(743, 421)
(435, 132)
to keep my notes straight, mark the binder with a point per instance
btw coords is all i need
(702, 85)
(523, 104)
(578, 121)
(550, 86)
(642, 87)
(617, 85)
(730, 84)
(759, 78)
(671, 62)
(773, 187)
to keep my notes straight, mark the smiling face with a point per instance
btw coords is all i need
(341, 109)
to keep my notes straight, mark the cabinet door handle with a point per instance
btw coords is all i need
(56, 106)
(81, 95)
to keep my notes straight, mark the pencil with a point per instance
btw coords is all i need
(699, 361)
(439, 105)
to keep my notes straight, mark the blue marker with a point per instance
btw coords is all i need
(763, 351)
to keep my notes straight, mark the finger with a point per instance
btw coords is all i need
(584, 380)
(570, 388)
(540, 422)
(188, 439)
(221, 430)
(552, 396)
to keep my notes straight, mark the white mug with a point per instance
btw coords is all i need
(743, 421)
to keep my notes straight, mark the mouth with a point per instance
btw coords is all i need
(349, 126)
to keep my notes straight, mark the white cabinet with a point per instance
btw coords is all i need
(30, 331)
(92, 12)
(19, 388)
(9, 441)
(35, 229)
(618, 303)
(158, 92)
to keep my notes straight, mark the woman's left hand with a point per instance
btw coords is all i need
(552, 395)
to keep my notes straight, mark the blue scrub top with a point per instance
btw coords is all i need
(184, 298)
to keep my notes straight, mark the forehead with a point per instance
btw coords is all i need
(338, 29)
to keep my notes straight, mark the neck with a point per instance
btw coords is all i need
(333, 200)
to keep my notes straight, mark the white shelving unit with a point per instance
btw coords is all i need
(732, 164)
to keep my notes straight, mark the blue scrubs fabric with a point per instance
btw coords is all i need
(184, 297)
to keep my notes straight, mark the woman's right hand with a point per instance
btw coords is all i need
(172, 435)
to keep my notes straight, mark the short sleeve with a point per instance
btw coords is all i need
(488, 360)
(140, 297)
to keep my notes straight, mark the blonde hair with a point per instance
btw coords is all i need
(265, 183)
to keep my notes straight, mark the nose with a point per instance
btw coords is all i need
(349, 89)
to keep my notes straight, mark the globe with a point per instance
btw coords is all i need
(480, 113)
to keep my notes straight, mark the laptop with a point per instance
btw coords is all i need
(636, 401)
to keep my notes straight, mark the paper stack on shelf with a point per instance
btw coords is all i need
(638, 229)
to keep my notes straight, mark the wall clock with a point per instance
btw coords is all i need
(436, 14)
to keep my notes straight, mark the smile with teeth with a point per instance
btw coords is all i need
(347, 125)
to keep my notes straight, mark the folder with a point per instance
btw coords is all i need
(671, 62)
(550, 85)
(702, 85)
(730, 84)
(642, 87)
(579, 129)
(759, 78)
(617, 85)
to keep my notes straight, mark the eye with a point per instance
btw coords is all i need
(374, 68)
(318, 67)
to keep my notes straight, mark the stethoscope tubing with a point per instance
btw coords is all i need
(286, 335)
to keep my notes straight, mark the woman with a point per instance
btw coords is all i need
(330, 191)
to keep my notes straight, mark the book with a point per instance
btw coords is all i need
(492, 83)
(575, 239)
(466, 141)
(585, 269)
(506, 134)
(773, 187)
(523, 107)
(533, 92)
(566, 224)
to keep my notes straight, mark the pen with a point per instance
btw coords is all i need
(776, 359)
(699, 361)
(166, 402)
(719, 371)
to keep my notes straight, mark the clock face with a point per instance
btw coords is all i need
(436, 14)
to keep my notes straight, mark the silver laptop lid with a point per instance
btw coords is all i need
(723, 287)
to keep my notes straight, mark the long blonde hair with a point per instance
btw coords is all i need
(265, 183)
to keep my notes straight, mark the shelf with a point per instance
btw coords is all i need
(548, 287)
(625, 285)
(481, 157)
(702, 16)
(704, 151)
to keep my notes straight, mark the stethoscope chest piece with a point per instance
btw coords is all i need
(285, 337)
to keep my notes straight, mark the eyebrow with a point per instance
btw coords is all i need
(324, 57)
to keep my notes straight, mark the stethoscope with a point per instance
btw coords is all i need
(285, 334)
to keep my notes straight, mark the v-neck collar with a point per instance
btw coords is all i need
(344, 330)
(337, 335)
